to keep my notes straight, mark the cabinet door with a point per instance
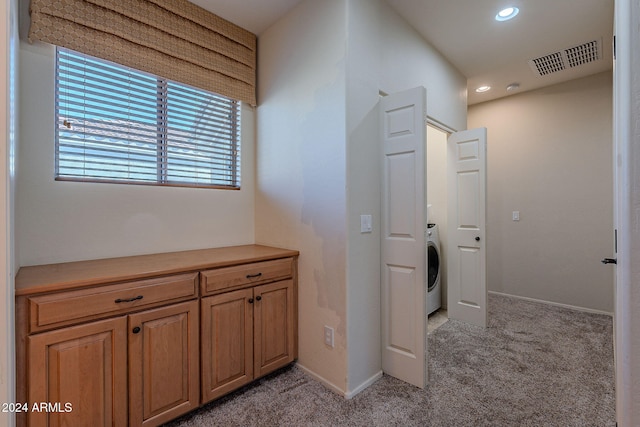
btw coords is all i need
(82, 370)
(227, 342)
(274, 330)
(163, 363)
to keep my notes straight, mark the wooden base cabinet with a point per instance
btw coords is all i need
(246, 334)
(82, 370)
(85, 367)
(227, 343)
(274, 327)
(164, 364)
(139, 341)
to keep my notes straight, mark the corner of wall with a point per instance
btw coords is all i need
(300, 170)
(378, 40)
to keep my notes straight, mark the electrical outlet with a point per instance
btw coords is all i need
(328, 336)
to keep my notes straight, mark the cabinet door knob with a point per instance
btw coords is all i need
(250, 300)
(136, 330)
(258, 298)
(477, 238)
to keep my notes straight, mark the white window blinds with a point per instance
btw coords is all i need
(117, 124)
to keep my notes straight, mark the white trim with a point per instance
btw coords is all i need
(364, 385)
(328, 384)
(439, 125)
(8, 123)
(557, 304)
(626, 127)
(337, 390)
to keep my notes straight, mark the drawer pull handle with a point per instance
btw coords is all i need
(258, 298)
(253, 276)
(119, 300)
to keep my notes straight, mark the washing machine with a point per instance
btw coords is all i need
(434, 295)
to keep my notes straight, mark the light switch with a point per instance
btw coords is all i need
(516, 215)
(366, 225)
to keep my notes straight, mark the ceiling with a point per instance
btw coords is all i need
(486, 51)
(253, 15)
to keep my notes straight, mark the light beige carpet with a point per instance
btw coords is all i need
(535, 365)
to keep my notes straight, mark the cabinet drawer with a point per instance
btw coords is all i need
(246, 274)
(46, 311)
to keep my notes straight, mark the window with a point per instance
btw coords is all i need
(117, 124)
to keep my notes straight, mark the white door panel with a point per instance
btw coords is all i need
(402, 310)
(403, 299)
(401, 170)
(469, 267)
(468, 209)
(466, 187)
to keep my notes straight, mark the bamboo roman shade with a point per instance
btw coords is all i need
(170, 38)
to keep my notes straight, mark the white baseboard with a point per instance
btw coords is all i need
(571, 307)
(337, 390)
(328, 384)
(364, 385)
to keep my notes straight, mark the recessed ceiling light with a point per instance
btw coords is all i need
(483, 89)
(513, 87)
(507, 13)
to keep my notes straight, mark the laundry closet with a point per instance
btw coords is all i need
(436, 236)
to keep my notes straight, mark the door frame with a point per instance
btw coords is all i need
(432, 121)
(448, 131)
(626, 130)
(8, 140)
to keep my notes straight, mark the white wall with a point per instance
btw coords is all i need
(61, 221)
(8, 124)
(409, 61)
(363, 66)
(300, 196)
(550, 157)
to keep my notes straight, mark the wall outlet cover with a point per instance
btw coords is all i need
(328, 336)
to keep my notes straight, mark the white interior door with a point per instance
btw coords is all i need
(466, 253)
(403, 299)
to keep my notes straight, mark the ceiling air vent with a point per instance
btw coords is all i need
(583, 54)
(548, 64)
(567, 58)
